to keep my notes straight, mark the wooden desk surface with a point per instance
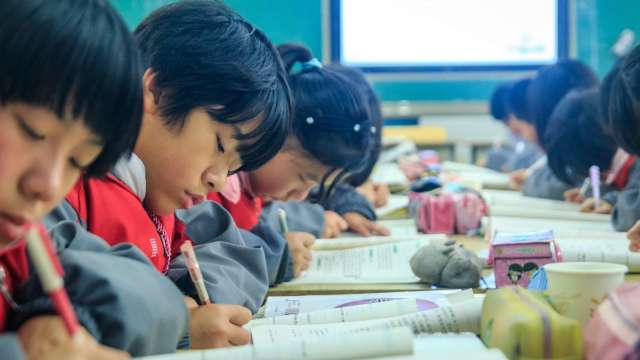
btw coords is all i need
(473, 243)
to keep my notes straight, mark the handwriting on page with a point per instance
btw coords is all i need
(456, 318)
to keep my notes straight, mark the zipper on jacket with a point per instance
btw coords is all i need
(4, 289)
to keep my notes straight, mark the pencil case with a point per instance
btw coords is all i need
(524, 326)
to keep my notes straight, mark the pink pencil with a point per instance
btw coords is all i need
(194, 271)
(49, 271)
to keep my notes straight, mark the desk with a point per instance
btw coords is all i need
(473, 243)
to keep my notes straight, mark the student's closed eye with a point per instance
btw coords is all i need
(28, 130)
(220, 145)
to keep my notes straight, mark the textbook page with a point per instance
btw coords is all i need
(397, 227)
(291, 305)
(360, 312)
(397, 206)
(584, 250)
(359, 241)
(525, 210)
(390, 174)
(381, 343)
(387, 263)
(515, 198)
(400, 227)
(561, 228)
(486, 354)
(468, 173)
(460, 317)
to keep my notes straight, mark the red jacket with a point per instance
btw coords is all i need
(621, 177)
(14, 262)
(246, 212)
(112, 211)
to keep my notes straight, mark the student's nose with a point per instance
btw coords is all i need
(214, 179)
(43, 180)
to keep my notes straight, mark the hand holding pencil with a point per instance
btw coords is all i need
(49, 271)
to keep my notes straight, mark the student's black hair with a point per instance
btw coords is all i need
(550, 85)
(498, 102)
(204, 55)
(78, 59)
(517, 99)
(623, 105)
(606, 87)
(375, 114)
(332, 120)
(575, 138)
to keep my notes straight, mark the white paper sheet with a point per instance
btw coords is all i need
(384, 342)
(460, 317)
(360, 312)
(288, 305)
(355, 242)
(387, 263)
(589, 250)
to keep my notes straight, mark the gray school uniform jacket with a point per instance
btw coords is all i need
(626, 202)
(233, 261)
(10, 347)
(345, 198)
(498, 157)
(524, 155)
(302, 216)
(118, 296)
(544, 184)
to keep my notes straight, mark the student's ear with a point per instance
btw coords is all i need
(150, 91)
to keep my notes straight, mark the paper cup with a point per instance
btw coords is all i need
(576, 289)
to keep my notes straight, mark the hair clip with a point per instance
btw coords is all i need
(312, 64)
(310, 120)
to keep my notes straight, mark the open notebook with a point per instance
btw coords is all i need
(593, 250)
(515, 198)
(355, 242)
(386, 263)
(293, 305)
(385, 344)
(390, 174)
(455, 318)
(397, 227)
(528, 210)
(475, 176)
(397, 208)
(561, 228)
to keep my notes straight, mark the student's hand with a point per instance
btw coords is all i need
(573, 195)
(363, 226)
(218, 325)
(45, 337)
(382, 193)
(634, 237)
(300, 244)
(334, 225)
(367, 191)
(589, 206)
(376, 193)
(517, 179)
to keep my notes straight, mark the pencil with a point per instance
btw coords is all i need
(194, 271)
(49, 272)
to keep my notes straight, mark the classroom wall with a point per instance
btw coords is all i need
(598, 24)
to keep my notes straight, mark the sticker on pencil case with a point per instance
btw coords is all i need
(422, 304)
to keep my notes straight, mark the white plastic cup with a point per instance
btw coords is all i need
(576, 289)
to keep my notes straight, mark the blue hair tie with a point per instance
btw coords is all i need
(311, 64)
